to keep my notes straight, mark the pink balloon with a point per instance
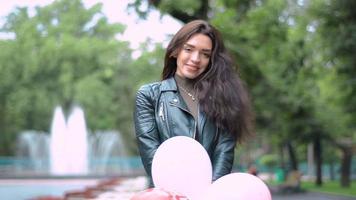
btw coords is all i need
(238, 186)
(182, 165)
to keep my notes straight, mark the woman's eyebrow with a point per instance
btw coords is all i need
(192, 46)
(189, 45)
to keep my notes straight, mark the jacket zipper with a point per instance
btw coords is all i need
(160, 113)
(196, 123)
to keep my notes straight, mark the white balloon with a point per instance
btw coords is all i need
(238, 186)
(182, 165)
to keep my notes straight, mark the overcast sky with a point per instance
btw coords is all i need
(137, 31)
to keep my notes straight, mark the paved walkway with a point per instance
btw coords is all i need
(25, 189)
(310, 196)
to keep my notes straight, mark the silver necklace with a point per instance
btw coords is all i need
(188, 93)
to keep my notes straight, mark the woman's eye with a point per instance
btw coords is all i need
(206, 55)
(187, 49)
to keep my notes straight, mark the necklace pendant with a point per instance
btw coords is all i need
(188, 93)
(191, 96)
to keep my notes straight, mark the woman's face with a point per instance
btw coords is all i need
(194, 57)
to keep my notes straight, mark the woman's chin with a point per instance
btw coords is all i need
(191, 75)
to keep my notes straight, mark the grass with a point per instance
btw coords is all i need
(331, 187)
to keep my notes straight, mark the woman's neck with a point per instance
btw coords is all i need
(185, 82)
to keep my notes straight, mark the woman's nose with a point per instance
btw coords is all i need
(195, 57)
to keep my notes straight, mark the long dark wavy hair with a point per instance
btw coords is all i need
(222, 96)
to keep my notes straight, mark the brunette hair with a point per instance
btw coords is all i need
(222, 96)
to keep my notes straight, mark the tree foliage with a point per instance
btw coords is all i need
(297, 58)
(65, 54)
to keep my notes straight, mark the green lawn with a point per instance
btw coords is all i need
(332, 187)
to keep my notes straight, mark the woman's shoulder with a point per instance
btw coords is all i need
(150, 86)
(155, 88)
(150, 89)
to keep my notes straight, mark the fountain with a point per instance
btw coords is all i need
(68, 146)
(105, 149)
(69, 150)
(32, 157)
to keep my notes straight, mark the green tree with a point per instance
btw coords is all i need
(65, 54)
(270, 41)
(335, 25)
(297, 58)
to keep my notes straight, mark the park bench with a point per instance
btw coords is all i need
(292, 183)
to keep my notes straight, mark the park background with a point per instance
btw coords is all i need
(297, 58)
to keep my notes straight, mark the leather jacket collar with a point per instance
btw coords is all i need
(169, 85)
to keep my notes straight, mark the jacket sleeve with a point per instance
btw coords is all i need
(146, 128)
(223, 156)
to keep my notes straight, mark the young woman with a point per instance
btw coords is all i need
(199, 96)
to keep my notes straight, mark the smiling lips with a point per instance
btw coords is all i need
(193, 67)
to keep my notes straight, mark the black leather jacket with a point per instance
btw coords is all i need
(161, 113)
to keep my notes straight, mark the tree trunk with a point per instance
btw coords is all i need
(201, 13)
(292, 156)
(346, 146)
(318, 160)
(346, 166)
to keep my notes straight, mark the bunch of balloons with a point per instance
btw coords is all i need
(181, 170)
